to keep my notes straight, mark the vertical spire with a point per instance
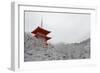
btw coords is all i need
(41, 22)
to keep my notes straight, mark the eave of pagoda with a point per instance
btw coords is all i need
(46, 37)
(40, 30)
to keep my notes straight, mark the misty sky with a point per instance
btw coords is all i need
(64, 27)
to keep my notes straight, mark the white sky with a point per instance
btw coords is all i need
(64, 27)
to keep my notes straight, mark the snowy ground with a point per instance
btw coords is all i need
(34, 52)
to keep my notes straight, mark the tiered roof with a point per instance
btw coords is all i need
(41, 32)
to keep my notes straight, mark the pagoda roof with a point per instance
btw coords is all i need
(46, 37)
(40, 30)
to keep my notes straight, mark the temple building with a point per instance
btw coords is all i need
(41, 34)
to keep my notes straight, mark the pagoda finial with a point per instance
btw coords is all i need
(41, 22)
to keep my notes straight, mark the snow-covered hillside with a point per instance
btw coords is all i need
(33, 51)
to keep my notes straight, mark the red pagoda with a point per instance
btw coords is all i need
(41, 33)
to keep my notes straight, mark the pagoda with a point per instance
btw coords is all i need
(41, 34)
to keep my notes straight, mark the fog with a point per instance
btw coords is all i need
(64, 27)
